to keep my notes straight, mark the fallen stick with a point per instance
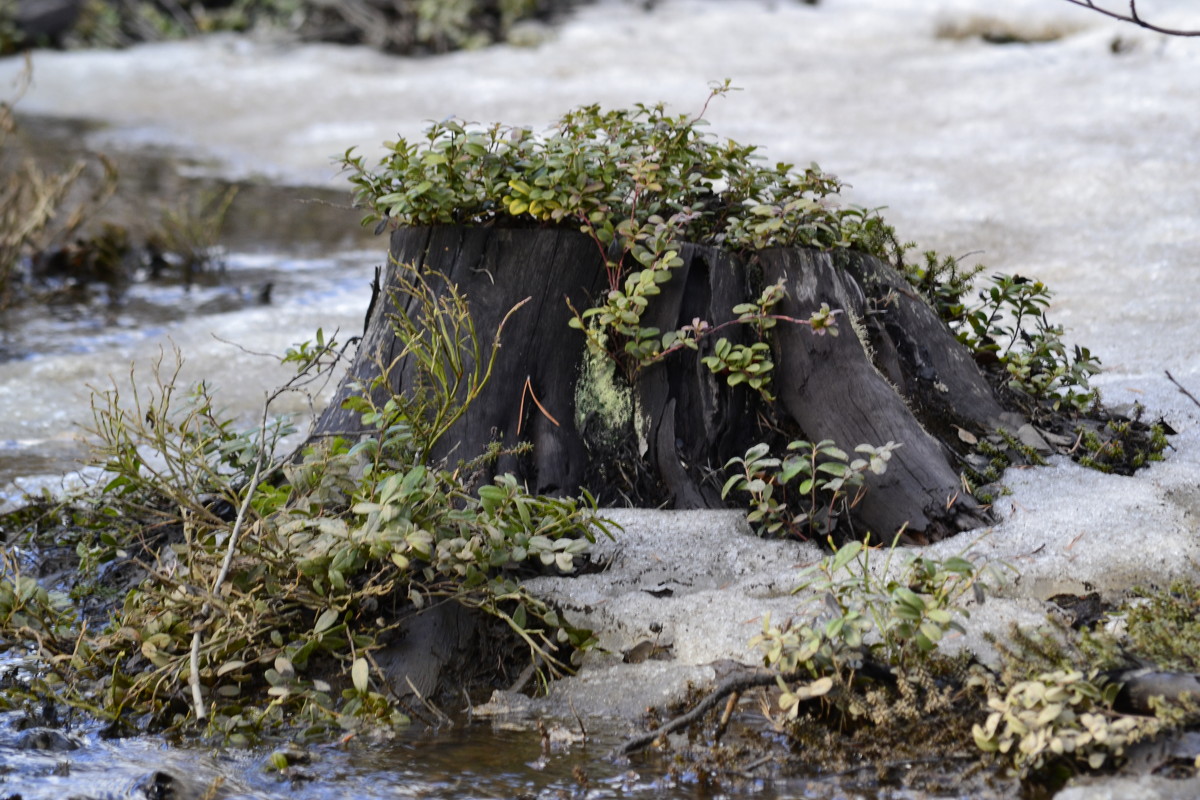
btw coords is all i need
(732, 684)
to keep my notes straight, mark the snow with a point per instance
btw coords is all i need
(1062, 160)
(1074, 161)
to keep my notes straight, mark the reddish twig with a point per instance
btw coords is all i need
(1179, 386)
(709, 331)
(528, 390)
(1133, 17)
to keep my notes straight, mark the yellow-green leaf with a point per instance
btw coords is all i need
(359, 674)
(327, 620)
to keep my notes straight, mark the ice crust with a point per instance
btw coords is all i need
(1074, 161)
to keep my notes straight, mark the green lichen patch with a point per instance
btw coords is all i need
(604, 404)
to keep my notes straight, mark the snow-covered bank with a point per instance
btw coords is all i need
(1073, 160)
(1062, 159)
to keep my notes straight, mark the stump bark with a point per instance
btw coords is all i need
(895, 373)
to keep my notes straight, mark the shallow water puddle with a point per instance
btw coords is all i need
(470, 760)
(292, 260)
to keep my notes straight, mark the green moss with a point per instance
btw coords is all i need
(1162, 627)
(1028, 453)
(1122, 445)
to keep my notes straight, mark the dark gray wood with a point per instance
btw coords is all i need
(699, 422)
(941, 384)
(435, 641)
(496, 268)
(831, 387)
(895, 373)
(47, 20)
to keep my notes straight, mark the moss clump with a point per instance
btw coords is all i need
(1122, 445)
(1160, 627)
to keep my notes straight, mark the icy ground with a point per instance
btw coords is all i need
(1074, 161)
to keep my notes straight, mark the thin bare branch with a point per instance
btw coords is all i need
(1179, 386)
(261, 471)
(194, 676)
(1134, 18)
(736, 683)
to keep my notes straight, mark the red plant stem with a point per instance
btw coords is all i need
(739, 321)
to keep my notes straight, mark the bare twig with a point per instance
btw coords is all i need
(526, 676)
(727, 715)
(428, 704)
(194, 676)
(1179, 386)
(528, 390)
(1133, 17)
(250, 488)
(582, 730)
(206, 610)
(731, 685)
(261, 472)
(213, 788)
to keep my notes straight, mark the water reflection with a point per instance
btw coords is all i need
(467, 761)
(293, 259)
(147, 310)
(263, 217)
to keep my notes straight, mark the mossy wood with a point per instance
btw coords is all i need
(895, 373)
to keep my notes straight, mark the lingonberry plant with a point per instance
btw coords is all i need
(638, 182)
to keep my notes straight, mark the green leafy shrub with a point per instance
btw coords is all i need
(27, 605)
(866, 652)
(827, 485)
(639, 182)
(941, 280)
(610, 174)
(1008, 332)
(261, 586)
(1061, 715)
(1010, 324)
(1007, 326)
(857, 619)
(1057, 704)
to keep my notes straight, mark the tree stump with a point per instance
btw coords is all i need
(895, 373)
